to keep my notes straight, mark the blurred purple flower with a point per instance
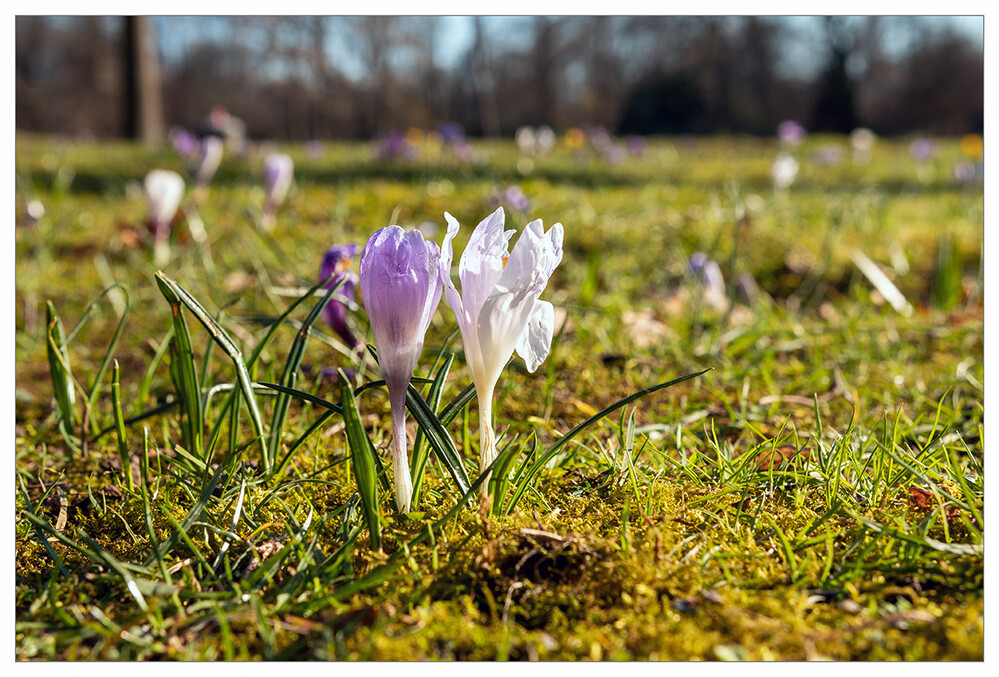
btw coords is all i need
(791, 132)
(462, 150)
(614, 154)
(185, 144)
(600, 138)
(451, 132)
(401, 288)
(922, 149)
(828, 155)
(314, 149)
(515, 198)
(395, 145)
(336, 262)
(279, 169)
(637, 145)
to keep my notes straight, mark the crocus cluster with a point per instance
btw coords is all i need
(395, 146)
(531, 141)
(498, 310)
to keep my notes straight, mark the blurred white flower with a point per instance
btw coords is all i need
(784, 171)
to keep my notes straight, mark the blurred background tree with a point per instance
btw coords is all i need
(299, 78)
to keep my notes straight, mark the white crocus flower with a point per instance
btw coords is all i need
(498, 310)
(784, 171)
(164, 191)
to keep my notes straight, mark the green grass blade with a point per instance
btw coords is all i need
(119, 424)
(438, 438)
(421, 447)
(302, 439)
(454, 407)
(399, 557)
(95, 390)
(302, 395)
(565, 439)
(274, 326)
(176, 295)
(62, 379)
(147, 378)
(362, 461)
(290, 373)
(500, 482)
(184, 380)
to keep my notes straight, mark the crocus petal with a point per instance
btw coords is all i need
(483, 260)
(533, 260)
(334, 262)
(401, 287)
(537, 339)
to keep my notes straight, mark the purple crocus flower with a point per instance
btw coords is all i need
(514, 196)
(451, 132)
(396, 145)
(922, 149)
(314, 149)
(791, 132)
(401, 288)
(336, 262)
(185, 144)
(636, 145)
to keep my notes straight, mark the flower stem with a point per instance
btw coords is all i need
(487, 441)
(400, 452)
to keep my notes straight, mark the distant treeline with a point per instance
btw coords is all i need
(299, 78)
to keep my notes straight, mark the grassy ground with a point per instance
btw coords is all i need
(818, 493)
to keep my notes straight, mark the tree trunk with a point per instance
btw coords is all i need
(143, 96)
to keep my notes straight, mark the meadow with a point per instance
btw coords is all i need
(813, 490)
